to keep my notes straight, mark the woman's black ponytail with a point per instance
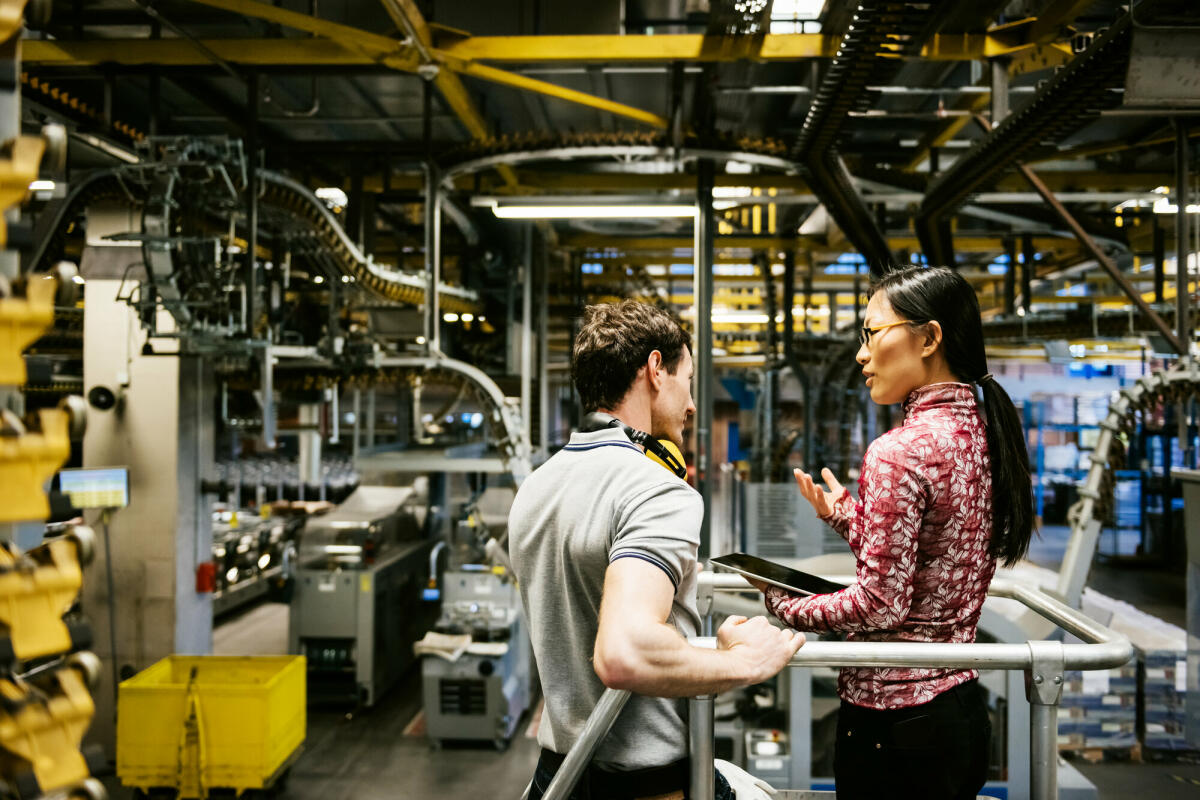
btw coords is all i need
(937, 293)
(1012, 488)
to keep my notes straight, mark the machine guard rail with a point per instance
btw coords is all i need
(1044, 663)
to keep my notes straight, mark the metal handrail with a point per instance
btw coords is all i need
(1044, 662)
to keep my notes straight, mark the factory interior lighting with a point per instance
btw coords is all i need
(592, 211)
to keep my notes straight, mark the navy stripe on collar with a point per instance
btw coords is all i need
(594, 445)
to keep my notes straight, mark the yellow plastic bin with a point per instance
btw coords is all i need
(197, 723)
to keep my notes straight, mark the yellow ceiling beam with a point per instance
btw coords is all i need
(406, 14)
(699, 48)
(450, 84)
(554, 90)
(343, 45)
(384, 49)
(610, 48)
(182, 53)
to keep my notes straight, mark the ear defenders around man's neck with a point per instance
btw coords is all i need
(598, 421)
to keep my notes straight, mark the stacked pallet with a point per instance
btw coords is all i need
(1164, 691)
(1099, 709)
(1161, 685)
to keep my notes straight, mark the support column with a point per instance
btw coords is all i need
(999, 89)
(1160, 259)
(310, 447)
(165, 435)
(543, 327)
(1044, 690)
(1029, 265)
(527, 334)
(10, 126)
(252, 203)
(1010, 278)
(433, 257)
(1183, 177)
(700, 745)
(702, 294)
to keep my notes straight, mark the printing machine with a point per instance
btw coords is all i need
(249, 551)
(357, 607)
(483, 692)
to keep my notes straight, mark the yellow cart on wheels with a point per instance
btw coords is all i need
(207, 726)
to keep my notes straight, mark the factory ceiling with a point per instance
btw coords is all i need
(850, 133)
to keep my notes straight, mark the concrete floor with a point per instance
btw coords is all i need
(379, 753)
(368, 756)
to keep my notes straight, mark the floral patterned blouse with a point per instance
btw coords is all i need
(920, 536)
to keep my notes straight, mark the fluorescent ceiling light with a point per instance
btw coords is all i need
(800, 9)
(592, 212)
(744, 317)
(1165, 206)
(41, 186)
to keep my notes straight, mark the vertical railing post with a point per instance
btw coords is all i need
(1044, 689)
(700, 745)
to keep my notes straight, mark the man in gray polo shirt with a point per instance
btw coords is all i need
(604, 544)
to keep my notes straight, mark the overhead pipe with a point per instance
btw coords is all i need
(1183, 178)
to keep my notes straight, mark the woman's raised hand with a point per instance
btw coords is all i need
(821, 500)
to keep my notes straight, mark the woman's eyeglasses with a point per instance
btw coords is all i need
(864, 335)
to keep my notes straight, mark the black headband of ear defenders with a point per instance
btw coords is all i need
(597, 421)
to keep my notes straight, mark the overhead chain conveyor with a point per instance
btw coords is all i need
(334, 254)
(1179, 384)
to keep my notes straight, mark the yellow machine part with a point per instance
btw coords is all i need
(22, 322)
(21, 168)
(33, 600)
(12, 17)
(45, 732)
(195, 723)
(27, 462)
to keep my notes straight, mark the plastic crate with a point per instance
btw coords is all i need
(195, 723)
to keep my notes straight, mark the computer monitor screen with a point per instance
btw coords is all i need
(107, 487)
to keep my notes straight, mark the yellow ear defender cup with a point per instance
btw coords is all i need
(670, 447)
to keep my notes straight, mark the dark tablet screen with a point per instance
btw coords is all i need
(776, 574)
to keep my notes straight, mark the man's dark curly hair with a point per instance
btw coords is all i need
(615, 341)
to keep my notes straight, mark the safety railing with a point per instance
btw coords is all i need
(1044, 663)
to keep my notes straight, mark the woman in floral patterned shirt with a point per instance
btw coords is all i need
(942, 499)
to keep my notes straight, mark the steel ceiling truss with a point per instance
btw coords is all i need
(1071, 99)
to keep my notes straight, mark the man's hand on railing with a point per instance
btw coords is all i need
(761, 648)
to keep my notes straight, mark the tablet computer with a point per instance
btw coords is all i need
(776, 574)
